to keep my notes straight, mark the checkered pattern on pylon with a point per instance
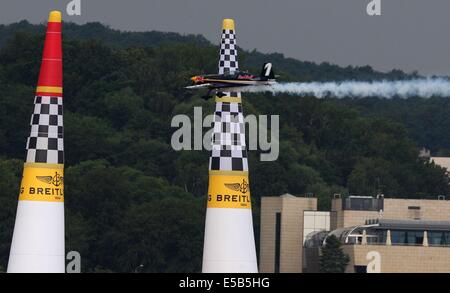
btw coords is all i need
(228, 62)
(228, 145)
(46, 141)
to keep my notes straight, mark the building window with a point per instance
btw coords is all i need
(413, 208)
(414, 212)
(362, 203)
(399, 237)
(277, 241)
(376, 237)
(415, 238)
(437, 238)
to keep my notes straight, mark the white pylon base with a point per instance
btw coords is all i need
(38, 240)
(229, 235)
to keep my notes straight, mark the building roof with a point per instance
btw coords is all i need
(388, 224)
(287, 195)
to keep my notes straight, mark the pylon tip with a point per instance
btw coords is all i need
(55, 16)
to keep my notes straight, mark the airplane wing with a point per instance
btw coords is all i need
(199, 86)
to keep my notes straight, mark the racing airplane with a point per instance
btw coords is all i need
(232, 81)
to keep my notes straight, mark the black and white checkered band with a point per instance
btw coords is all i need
(228, 62)
(228, 143)
(46, 141)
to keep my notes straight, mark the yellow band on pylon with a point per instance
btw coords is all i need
(42, 182)
(228, 173)
(228, 24)
(229, 190)
(44, 165)
(49, 89)
(229, 99)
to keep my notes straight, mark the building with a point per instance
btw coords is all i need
(281, 242)
(444, 162)
(397, 246)
(379, 234)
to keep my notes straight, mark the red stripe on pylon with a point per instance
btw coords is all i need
(42, 94)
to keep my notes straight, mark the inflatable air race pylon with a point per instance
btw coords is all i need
(38, 241)
(229, 244)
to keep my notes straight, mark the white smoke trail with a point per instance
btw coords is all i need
(426, 88)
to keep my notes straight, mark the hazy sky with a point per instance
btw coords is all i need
(410, 34)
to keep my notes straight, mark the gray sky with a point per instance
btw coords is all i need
(410, 34)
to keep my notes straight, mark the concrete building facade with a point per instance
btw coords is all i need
(399, 259)
(355, 210)
(379, 234)
(282, 222)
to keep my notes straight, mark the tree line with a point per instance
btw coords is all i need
(130, 198)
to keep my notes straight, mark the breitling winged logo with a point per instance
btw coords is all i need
(242, 187)
(56, 180)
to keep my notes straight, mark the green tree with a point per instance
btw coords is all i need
(332, 258)
(10, 174)
(131, 199)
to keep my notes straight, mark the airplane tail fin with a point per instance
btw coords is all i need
(267, 71)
